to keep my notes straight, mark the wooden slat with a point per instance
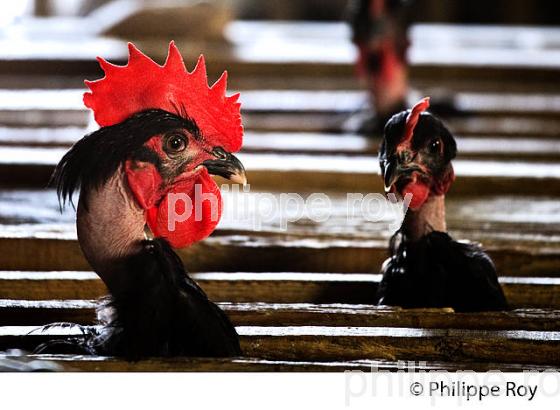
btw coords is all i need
(24, 166)
(504, 126)
(322, 49)
(250, 253)
(42, 312)
(329, 343)
(495, 126)
(107, 364)
(233, 253)
(41, 136)
(500, 222)
(267, 177)
(64, 101)
(275, 287)
(508, 126)
(484, 147)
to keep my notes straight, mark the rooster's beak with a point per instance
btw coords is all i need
(227, 166)
(397, 167)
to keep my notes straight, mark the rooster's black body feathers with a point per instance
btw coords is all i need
(163, 312)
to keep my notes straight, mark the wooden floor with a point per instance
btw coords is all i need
(301, 298)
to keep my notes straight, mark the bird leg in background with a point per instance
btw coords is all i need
(379, 32)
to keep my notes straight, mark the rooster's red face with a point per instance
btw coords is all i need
(180, 161)
(416, 154)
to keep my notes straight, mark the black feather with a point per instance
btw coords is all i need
(162, 312)
(97, 156)
(437, 271)
(428, 126)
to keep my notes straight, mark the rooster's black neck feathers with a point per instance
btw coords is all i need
(97, 156)
(161, 312)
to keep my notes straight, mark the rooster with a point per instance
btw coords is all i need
(427, 268)
(163, 133)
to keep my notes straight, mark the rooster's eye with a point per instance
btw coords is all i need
(434, 146)
(175, 143)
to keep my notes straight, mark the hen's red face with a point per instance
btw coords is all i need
(170, 178)
(416, 154)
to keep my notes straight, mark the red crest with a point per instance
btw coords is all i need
(412, 118)
(143, 84)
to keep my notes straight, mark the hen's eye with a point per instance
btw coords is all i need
(434, 146)
(176, 143)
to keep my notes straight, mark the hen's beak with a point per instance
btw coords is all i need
(397, 167)
(227, 166)
(389, 174)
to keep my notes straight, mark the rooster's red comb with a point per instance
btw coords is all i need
(413, 116)
(143, 84)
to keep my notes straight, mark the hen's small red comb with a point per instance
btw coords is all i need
(143, 84)
(412, 118)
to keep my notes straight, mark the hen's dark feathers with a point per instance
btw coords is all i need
(94, 158)
(163, 312)
(437, 271)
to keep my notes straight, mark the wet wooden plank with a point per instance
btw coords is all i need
(56, 250)
(518, 248)
(496, 125)
(483, 147)
(329, 343)
(25, 166)
(500, 222)
(40, 312)
(504, 126)
(64, 101)
(231, 287)
(318, 48)
(14, 312)
(269, 287)
(257, 80)
(468, 103)
(41, 136)
(108, 364)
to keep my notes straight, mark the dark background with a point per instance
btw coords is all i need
(530, 12)
(537, 12)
